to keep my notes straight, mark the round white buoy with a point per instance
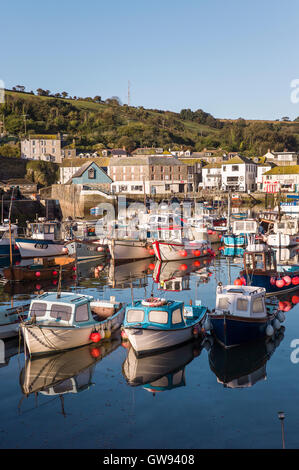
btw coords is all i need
(276, 324)
(269, 330)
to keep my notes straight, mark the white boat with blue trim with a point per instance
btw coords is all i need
(154, 324)
(43, 240)
(66, 320)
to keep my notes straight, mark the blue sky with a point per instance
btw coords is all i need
(230, 58)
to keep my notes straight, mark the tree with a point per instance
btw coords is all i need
(97, 99)
(64, 94)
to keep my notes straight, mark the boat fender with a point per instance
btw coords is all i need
(270, 347)
(281, 317)
(269, 330)
(280, 283)
(207, 325)
(153, 302)
(276, 324)
(195, 332)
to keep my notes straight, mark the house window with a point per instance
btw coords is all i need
(91, 173)
(235, 168)
(224, 168)
(167, 187)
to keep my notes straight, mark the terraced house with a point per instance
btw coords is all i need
(284, 178)
(46, 147)
(238, 174)
(148, 174)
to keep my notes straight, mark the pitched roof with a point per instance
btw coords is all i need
(145, 160)
(213, 165)
(239, 159)
(82, 169)
(283, 170)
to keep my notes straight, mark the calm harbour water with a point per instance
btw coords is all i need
(82, 399)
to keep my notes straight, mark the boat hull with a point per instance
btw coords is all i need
(279, 240)
(263, 280)
(124, 250)
(30, 248)
(146, 341)
(235, 331)
(234, 241)
(170, 251)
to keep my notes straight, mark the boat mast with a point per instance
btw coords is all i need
(9, 225)
(228, 211)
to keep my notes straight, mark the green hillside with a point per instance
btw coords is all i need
(95, 124)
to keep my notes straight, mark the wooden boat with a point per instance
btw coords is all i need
(261, 270)
(41, 269)
(161, 371)
(241, 315)
(66, 320)
(154, 324)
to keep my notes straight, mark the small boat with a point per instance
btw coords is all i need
(161, 371)
(285, 233)
(261, 270)
(241, 232)
(126, 249)
(66, 320)
(241, 315)
(87, 249)
(180, 250)
(41, 269)
(43, 240)
(7, 239)
(154, 324)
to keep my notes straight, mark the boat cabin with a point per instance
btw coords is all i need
(260, 259)
(245, 226)
(169, 315)
(243, 301)
(44, 230)
(70, 309)
(287, 226)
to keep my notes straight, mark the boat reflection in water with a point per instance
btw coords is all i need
(122, 275)
(162, 371)
(175, 275)
(244, 365)
(66, 372)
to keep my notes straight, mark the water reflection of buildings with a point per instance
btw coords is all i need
(63, 373)
(175, 275)
(242, 366)
(162, 371)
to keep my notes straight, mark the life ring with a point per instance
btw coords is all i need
(153, 302)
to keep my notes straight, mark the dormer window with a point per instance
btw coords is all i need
(91, 173)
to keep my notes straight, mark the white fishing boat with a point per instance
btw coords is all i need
(128, 249)
(285, 233)
(180, 250)
(66, 320)
(154, 324)
(43, 239)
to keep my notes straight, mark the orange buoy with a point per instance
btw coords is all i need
(238, 282)
(151, 266)
(183, 253)
(295, 299)
(183, 267)
(287, 280)
(95, 352)
(280, 283)
(37, 273)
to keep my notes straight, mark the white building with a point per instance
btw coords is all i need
(282, 158)
(239, 174)
(211, 176)
(284, 178)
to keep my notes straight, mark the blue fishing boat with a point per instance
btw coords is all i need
(241, 315)
(154, 324)
(242, 231)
